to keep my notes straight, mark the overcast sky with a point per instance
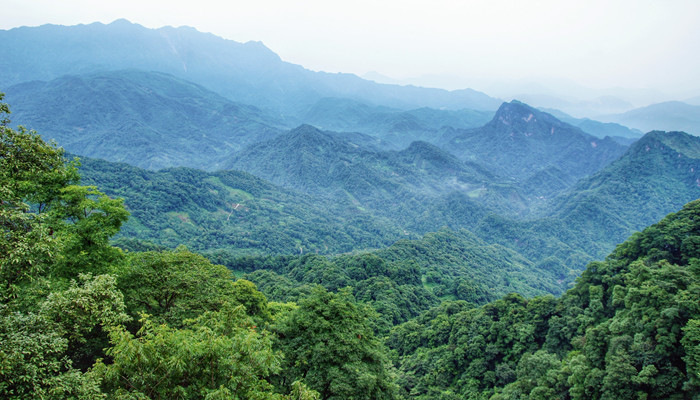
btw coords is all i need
(638, 44)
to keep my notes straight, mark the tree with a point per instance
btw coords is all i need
(329, 345)
(51, 231)
(51, 227)
(172, 286)
(33, 362)
(84, 313)
(219, 355)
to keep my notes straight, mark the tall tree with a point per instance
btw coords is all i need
(329, 344)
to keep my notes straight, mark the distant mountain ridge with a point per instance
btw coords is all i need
(148, 119)
(597, 128)
(666, 116)
(244, 72)
(315, 162)
(398, 128)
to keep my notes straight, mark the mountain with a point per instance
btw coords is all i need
(249, 73)
(667, 116)
(523, 143)
(232, 212)
(658, 174)
(606, 104)
(599, 129)
(397, 128)
(148, 119)
(228, 214)
(327, 164)
(627, 329)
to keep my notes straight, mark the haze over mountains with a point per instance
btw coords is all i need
(246, 72)
(397, 161)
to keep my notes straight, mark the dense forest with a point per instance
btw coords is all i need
(83, 319)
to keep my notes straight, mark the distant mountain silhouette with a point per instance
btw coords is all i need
(667, 116)
(244, 72)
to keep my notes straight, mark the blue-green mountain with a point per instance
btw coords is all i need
(666, 116)
(599, 129)
(148, 119)
(396, 127)
(542, 153)
(249, 73)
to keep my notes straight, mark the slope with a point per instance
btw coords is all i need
(666, 116)
(393, 183)
(659, 173)
(597, 128)
(233, 212)
(534, 148)
(398, 128)
(148, 119)
(628, 329)
(249, 73)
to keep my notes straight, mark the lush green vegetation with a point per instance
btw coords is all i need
(358, 199)
(80, 319)
(234, 212)
(430, 318)
(627, 330)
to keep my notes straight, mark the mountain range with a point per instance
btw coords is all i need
(333, 163)
(668, 116)
(149, 119)
(249, 73)
(375, 241)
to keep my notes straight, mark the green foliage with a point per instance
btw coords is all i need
(33, 362)
(691, 345)
(83, 313)
(51, 226)
(231, 213)
(657, 175)
(627, 330)
(218, 355)
(173, 286)
(329, 344)
(31, 173)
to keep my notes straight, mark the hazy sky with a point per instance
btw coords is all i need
(640, 44)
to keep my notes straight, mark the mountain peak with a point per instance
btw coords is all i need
(521, 117)
(682, 143)
(121, 22)
(520, 141)
(306, 131)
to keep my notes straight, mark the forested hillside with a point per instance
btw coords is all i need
(628, 329)
(343, 195)
(81, 319)
(147, 119)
